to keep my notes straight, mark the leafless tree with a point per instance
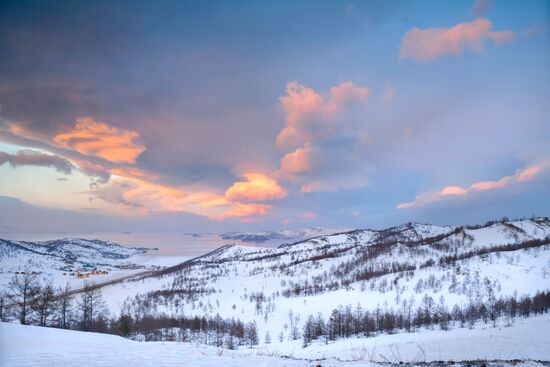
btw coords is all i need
(23, 289)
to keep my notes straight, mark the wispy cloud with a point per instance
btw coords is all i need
(32, 158)
(526, 174)
(428, 44)
(93, 170)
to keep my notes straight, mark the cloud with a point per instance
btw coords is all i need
(520, 176)
(321, 131)
(308, 215)
(94, 170)
(297, 161)
(98, 139)
(257, 187)
(143, 197)
(432, 196)
(240, 210)
(32, 158)
(309, 115)
(428, 44)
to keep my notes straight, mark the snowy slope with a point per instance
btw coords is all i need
(367, 267)
(34, 346)
(56, 260)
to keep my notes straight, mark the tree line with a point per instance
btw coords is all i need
(30, 302)
(346, 322)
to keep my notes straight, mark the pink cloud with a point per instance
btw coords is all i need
(432, 196)
(308, 114)
(297, 161)
(428, 44)
(308, 215)
(521, 175)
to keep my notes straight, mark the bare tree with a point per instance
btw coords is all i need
(23, 290)
(64, 306)
(91, 306)
(3, 306)
(44, 304)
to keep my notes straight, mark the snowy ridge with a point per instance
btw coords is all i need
(373, 268)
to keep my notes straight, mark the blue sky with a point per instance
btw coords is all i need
(210, 116)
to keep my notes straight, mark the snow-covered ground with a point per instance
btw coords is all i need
(527, 339)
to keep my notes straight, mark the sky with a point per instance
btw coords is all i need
(249, 115)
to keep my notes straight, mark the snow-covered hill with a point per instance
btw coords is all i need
(70, 260)
(376, 269)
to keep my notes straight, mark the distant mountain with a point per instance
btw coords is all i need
(69, 254)
(286, 235)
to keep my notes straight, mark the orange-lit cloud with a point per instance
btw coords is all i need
(309, 115)
(133, 172)
(297, 161)
(240, 210)
(142, 196)
(428, 44)
(98, 139)
(521, 175)
(257, 187)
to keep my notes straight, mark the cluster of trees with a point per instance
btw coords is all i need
(345, 322)
(217, 331)
(31, 302)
